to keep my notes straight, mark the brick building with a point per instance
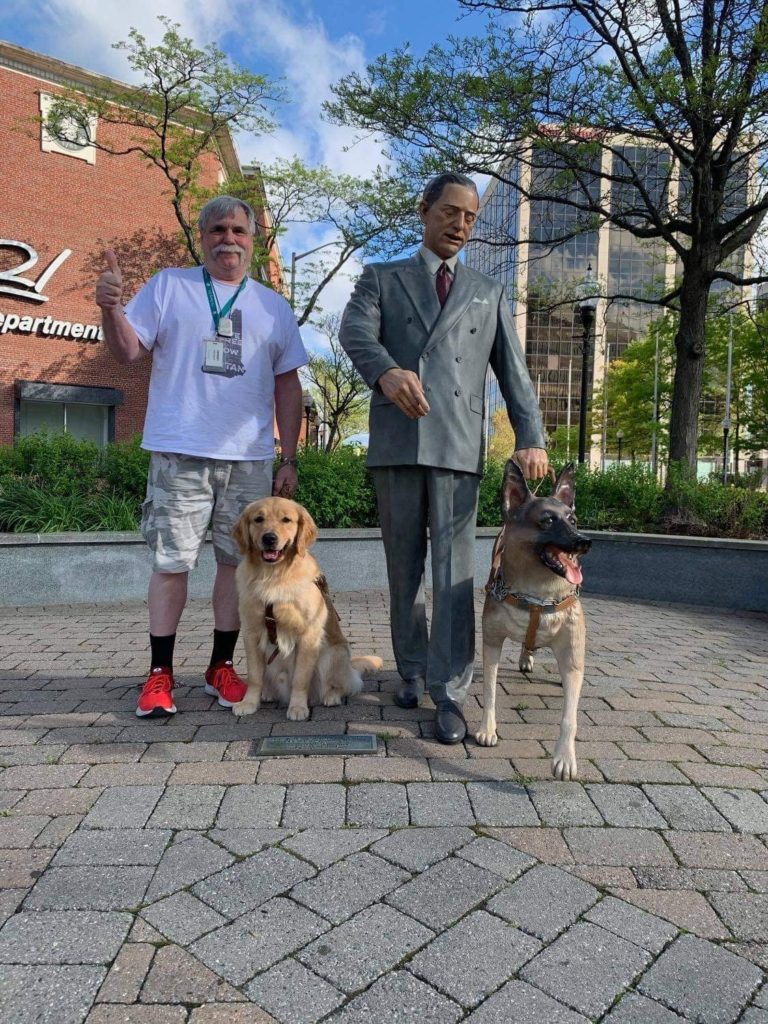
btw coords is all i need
(60, 203)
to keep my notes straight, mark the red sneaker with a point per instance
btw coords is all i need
(223, 682)
(156, 696)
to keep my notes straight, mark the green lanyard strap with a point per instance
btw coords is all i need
(213, 301)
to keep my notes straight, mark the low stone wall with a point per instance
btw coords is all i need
(40, 569)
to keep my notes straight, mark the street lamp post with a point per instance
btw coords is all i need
(619, 442)
(309, 408)
(589, 290)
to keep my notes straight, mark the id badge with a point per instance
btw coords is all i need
(213, 355)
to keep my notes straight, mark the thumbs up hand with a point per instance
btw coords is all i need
(109, 287)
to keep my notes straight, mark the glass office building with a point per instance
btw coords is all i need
(542, 248)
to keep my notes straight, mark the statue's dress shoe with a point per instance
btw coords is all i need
(409, 692)
(450, 726)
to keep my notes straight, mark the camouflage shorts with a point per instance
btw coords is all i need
(186, 495)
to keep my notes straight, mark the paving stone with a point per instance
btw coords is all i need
(251, 807)
(123, 807)
(416, 849)
(118, 846)
(754, 1016)
(197, 751)
(745, 914)
(310, 806)
(43, 776)
(57, 830)
(756, 880)
(387, 769)
(245, 841)
(617, 846)
(183, 918)
(688, 910)
(127, 973)
(625, 806)
(635, 1009)
(545, 901)
(450, 769)
(56, 801)
(62, 937)
(348, 886)
(220, 773)
(89, 888)
(501, 803)
(496, 857)
(604, 877)
(293, 994)
(241, 888)
(324, 846)
(287, 770)
(645, 930)
(187, 807)
(258, 940)
(48, 995)
(445, 892)
(178, 977)
(746, 811)
(104, 775)
(701, 981)
(186, 863)
(545, 844)
(586, 968)
(355, 953)
(18, 833)
(523, 1004)
(20, 868)
(475, 956)
(722, 775)
(699, 879)
(230, 1014)
(439, 803)
(104, 753)
(712, 850)
(564, 804)
(383, 804)
(399, 998)
(686, 809)
(106, 1014)
(639, 771)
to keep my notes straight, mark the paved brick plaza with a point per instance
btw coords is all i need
(156, 872)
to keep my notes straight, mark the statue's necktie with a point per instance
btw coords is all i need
(443, 281)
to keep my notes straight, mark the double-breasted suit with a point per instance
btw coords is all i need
(428, 469)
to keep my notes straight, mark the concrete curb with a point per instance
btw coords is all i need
(77, 568)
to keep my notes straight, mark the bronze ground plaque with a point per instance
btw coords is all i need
(295, 746)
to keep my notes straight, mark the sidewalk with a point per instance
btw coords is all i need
(157, 873)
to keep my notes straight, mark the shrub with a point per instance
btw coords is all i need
(336, 488)
(124, 466)
(57, 462)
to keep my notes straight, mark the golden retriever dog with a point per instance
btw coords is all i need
(533, 596)
(296, 652)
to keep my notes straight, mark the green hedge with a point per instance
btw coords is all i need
(50, 483)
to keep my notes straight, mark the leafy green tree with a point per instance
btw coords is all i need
(676, 95)
(186, 98)
(367, 218)
(340, 392)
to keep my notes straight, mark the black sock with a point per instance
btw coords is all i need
(224, 641)
(161, 651)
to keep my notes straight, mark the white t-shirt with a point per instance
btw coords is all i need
(224, 413)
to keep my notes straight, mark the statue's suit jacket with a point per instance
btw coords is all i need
(394, 319)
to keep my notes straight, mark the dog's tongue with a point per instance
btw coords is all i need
(572, 571)
(270, 556)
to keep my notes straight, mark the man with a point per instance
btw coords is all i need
(422, 332)
(225, 354)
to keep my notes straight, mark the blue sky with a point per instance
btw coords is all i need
(307, 43)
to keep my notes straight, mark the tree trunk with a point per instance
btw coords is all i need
(689, 370)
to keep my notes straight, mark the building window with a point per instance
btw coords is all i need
(88, 414)
(75, 137)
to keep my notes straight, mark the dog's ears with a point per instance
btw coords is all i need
(565, 486)
(307, 533)
(242, 534)
(514, 490)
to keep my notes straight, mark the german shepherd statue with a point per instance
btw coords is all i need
(533, 596)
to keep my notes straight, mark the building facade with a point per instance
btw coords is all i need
(541, 251)
(62, 202)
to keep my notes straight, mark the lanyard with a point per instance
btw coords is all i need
(213, 301)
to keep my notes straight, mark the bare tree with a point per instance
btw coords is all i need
(342, 392)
